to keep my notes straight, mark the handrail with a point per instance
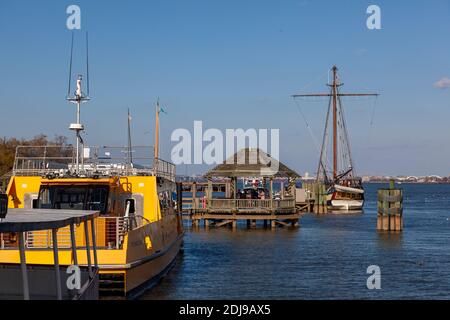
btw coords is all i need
(110, 233)
(105, 160)
(244, 204)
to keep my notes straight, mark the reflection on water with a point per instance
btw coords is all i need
(346, 212)
(326, 258)
(390, 240)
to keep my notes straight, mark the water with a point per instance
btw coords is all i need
(326, 258)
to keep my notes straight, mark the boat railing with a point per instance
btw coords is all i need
(165, 169)
(96, 161)
(110, 232)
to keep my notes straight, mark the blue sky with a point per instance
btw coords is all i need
(234, 64)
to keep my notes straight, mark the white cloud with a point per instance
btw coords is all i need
(443, 83)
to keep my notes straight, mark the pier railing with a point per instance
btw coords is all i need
(243, 205)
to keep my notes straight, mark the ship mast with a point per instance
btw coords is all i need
(335, 99)
(78, 98)
(334, 86)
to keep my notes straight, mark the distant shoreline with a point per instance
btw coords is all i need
(401, 182)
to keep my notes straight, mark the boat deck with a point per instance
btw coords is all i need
(36, 279)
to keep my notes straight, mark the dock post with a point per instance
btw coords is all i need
(316, 197)
(227, 189)
(234, 224)
(194, 196)
(272, 224)
(179, 187)
(390, 209)
(23, 266)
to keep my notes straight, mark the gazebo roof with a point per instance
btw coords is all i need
(251, 162)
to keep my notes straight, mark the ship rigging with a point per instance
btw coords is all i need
(344, 187)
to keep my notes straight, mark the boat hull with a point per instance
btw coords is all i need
(141, 275)
(345, 204)
(345, 198)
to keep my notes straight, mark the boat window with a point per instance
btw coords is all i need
(74, 197)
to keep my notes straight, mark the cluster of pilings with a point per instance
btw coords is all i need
(390, 209)
(315, 199)
(251, 221)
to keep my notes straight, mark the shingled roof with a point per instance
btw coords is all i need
(251, 162)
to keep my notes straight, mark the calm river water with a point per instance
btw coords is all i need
(326, 258)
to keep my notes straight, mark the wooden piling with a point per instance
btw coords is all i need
(390, 209)
(318, 190)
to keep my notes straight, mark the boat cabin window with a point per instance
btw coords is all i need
(74, 198)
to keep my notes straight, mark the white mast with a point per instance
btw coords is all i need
(78, 98)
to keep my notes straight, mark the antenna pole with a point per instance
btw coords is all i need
(87, 62)
(78, 137)
(78, 98)
(70, 68)
(156, 147)
(130, 155)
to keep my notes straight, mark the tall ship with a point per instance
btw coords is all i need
(139, 231)
(344, 189)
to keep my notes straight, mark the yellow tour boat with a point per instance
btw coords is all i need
(139, 230)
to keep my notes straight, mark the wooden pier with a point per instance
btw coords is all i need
(228, 209)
